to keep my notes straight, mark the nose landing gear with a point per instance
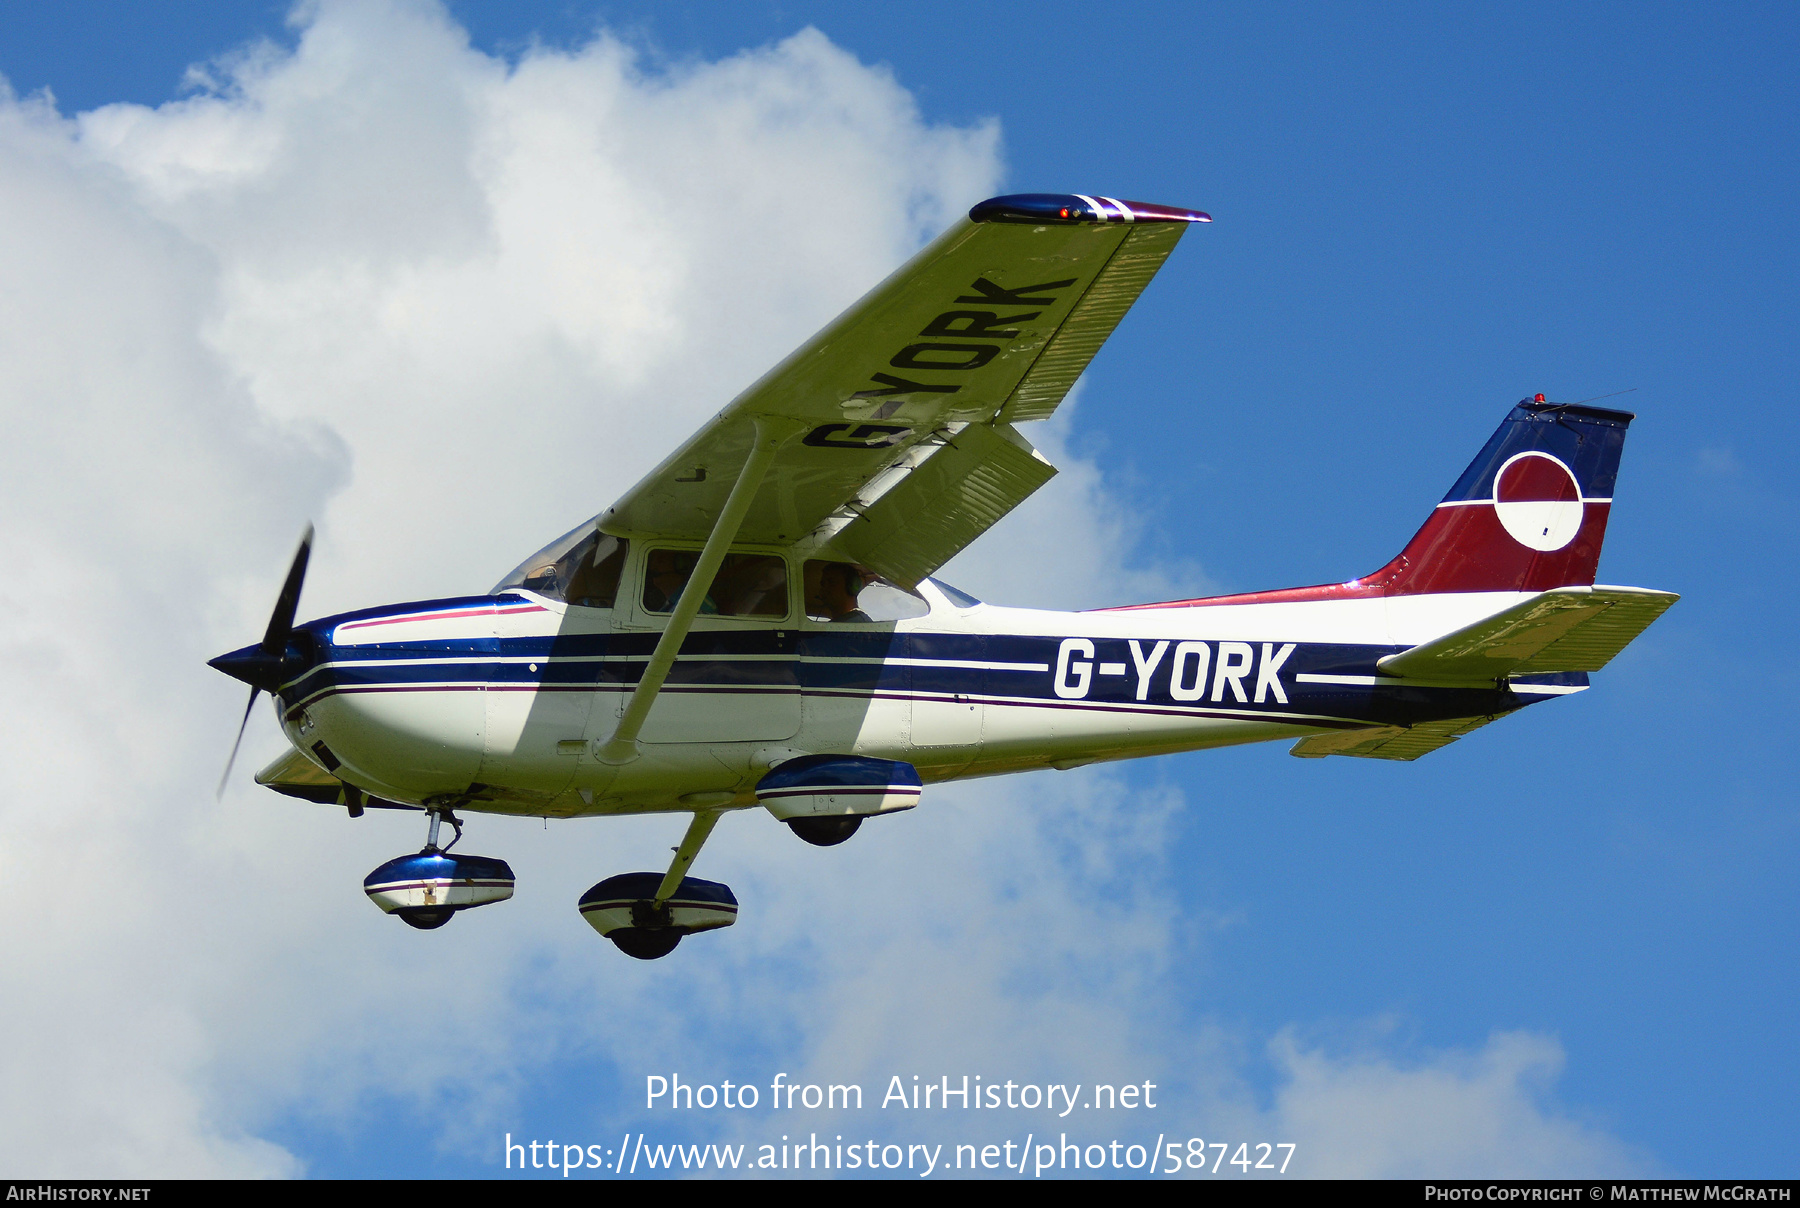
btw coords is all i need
(425, 889)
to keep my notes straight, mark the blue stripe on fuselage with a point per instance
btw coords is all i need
(863, 662)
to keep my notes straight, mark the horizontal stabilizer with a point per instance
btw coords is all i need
(1389, 742)
(1564, 629)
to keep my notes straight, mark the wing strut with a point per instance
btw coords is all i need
(771, 431)
(697, 831)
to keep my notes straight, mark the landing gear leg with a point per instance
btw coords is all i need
(651, 933)
(443, 814)
(428, 918)
(697, 832)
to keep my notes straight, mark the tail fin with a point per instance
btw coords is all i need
(1528, 514)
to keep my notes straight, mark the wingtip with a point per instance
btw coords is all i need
(1077, 209)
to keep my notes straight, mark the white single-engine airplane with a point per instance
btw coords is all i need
(754, 624)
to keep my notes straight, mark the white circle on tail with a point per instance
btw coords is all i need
(1538, 501)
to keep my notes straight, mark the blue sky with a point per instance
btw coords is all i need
(1422, 215)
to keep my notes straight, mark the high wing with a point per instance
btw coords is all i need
(894, 423)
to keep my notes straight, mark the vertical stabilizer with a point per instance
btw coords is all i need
(1528, 514)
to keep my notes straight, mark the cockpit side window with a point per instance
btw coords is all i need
(747, 585)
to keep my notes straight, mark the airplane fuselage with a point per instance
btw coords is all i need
(500, 703)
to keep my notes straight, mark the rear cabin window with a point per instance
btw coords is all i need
(747, 585)
(844, 591)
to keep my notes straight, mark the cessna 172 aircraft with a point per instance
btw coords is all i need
(755, 623)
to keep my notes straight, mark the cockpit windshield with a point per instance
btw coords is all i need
(581, 567)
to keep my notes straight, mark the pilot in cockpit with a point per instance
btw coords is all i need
(831, 590)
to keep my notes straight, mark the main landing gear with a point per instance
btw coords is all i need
(645, 914)
(827, 831)
(424, 890)
(824, 798)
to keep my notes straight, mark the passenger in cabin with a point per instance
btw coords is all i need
(666, 573)
(745, 585)
(831, 590)
(752, 585)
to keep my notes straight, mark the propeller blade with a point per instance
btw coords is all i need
(254, 667)
(281, 621)
(242, 725)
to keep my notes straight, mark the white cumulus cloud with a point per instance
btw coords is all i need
(1478, 1114)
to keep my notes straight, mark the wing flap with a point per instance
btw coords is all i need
(1389, 742)
(952, 497)
(1564, 629)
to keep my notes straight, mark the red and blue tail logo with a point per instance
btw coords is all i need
(1528, 514)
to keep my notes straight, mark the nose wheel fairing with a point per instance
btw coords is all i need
(430, 882)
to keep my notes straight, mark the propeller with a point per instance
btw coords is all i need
(264, 667)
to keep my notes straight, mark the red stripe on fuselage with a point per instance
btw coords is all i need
(489, 610)
(1462, 547)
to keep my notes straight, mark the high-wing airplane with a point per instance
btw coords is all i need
(755, 625)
